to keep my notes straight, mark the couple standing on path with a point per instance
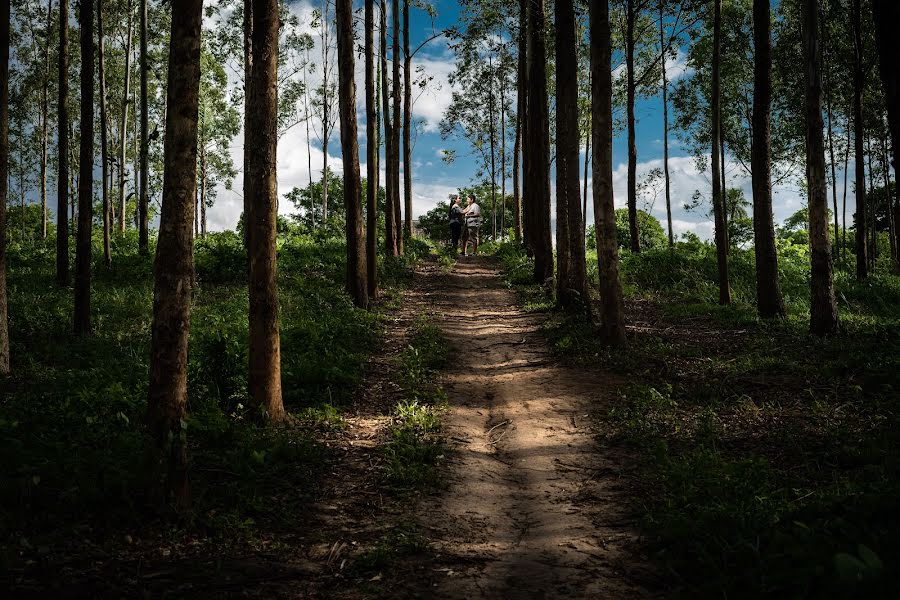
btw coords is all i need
(470, 217)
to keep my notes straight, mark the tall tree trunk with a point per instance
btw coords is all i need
(889, 208)
(718, 197)
(174, 265)
(612, 312)
(518, 158)
(630, 17)
(823, 309)
(407, 125)
(312, 210)
(262, 142)
(538, 142)
(203, 191)
(395, 143)
(82, 308)
(844, 205)
(372, 152)
(492, 130)
(123, 125)
(503, 158)
(862, 263)
(356, 284)
(326, 128)
(248, 74)
(572, 282)
(62, 176)
(390, 226)
(107, 256)
(873, 239)
(769, 301)
(45, 125)
(826, 53)
(144, 193)
(887, 20)
(4, 174)
(665, 103)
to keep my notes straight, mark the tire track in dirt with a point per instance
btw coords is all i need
(534, 509)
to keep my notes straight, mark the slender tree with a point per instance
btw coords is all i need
(823, 308)
(62, 175)
(887, 20)
(395, 130)
(663, 49)
(82, 309)
(123, 124)
(717, 192)
(372, 152)
(612, 313)
(261, 142)
(538, 144)
(769, 302)
(45, 118)
(860, 222)
(144, 192)
(631, 14)
(356, 284)
(407, 122)
(571, 271)
(173, 271)
(4, 172)
(107, 255)
(519, 158)
(391, 226)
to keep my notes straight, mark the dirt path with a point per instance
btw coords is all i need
(533, 510)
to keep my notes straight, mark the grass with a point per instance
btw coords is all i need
(768, 458)
(415, 449)
(72, 413)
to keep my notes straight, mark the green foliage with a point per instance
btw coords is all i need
(650, 230)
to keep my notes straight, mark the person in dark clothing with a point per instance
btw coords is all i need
(456, 219)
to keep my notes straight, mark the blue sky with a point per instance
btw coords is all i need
(434, 179)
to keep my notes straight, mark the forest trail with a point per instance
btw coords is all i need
(534, 508)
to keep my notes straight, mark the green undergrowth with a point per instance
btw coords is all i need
(768, 459)
(72, 413)
(414, 450)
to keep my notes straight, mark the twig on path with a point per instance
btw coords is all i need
(506, 422)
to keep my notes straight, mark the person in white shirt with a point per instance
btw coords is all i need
(472, 214)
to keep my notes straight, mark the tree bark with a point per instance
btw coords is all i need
(107, 256)
(572, 289)
(492, 130)
(45, 126)
(62, 176)
(612, 312)
(862, 263)
(395, 142)
(203, 191)
(82, 307)
(174, 265)
(144, 193)
(390, 226)
(4, 173)
(326, 129)
(718, 199)
(830, 114)
(248, 73)
(356, 284)
(769, 301)
(123, 125)
(407, 124)
(503, 158)
(261, 143)
(665, 105)
(538, 142)
(823, 309)
(372, 152)
(630, 18)
(518, 158)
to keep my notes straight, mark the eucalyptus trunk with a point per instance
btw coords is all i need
(62, 175)
(123, 124)
(144, 192)
(665, 106)
(631, 89)
(769, 301)
(372, 153)
(718, 197)
(862, 262)
(107, 257)
(612, 311)
(261, 144)
(572, 289)
(823, 308)
(173, 271)
(4, 173)
(407, 125)
(395, 131)
(390, 226)
(82, 307)
(538, 143)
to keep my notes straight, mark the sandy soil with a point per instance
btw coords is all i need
(534, 508)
